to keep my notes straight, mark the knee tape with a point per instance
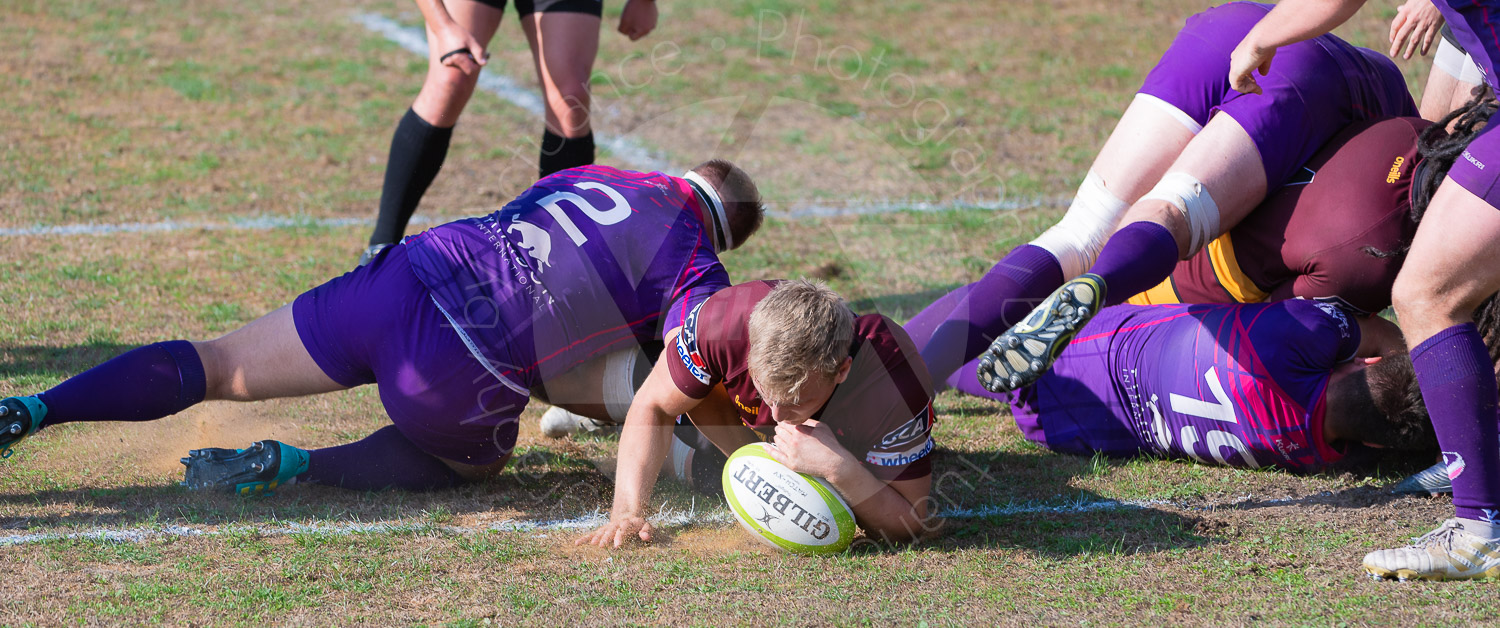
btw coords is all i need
(1077, 239)
(623, 375)
(1456, 63)
(1189, 196)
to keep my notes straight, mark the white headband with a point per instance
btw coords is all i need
(715, 206)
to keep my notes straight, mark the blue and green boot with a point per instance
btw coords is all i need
(254, 470)
(19, 417)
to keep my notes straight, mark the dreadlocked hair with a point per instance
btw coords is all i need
(1487, 319)
(1439, 148)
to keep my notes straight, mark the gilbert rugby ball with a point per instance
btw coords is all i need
(787, 510)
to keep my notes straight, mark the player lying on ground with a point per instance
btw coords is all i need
(1311, 239)
(1169, 150)
(1289, 384)
(1453, 266)
(456, 325)
(846, 398)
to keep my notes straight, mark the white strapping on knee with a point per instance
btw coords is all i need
(1188, 195)
(1077, 239)
(619, 383)
(1171, 110)
(1456, 63)
(1471, 75)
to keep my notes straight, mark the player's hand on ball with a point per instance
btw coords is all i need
(809, 447)
(1247, 59)
(619, 531)
(638, 18)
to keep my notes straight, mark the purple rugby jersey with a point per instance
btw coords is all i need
(1238, 384)
(585, 262)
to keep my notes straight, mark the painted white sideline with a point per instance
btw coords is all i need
(716, 516)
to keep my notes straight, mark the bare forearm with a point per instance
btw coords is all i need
(881, 510)
(644, 443)
(1300, 20)
(434, 13)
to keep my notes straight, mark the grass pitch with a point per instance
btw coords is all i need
(219, 112)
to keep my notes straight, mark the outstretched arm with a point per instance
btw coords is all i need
(644, 443)
(894, 511)
(1290, 22)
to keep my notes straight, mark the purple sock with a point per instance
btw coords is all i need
(1135, 259)
(961, 325)
(382, 460)
(143, 384)
(1458, 385)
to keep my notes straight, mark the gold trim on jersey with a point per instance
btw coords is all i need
(1226, 270)
(1162, 294)
(1230, 276)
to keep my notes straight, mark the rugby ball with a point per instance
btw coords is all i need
(787, 510)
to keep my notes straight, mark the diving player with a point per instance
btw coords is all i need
(456, 324)
(846, 398)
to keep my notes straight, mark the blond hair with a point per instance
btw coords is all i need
(801, 330)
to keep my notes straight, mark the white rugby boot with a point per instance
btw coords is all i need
(1448, 553)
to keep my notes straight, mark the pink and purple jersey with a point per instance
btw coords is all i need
(585, 262)
(1240, 385)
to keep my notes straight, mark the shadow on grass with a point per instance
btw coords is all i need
(57, 362)
(900, 306)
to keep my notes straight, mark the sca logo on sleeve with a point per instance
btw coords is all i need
(687, 346)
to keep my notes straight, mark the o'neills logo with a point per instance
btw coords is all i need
(748, 410)
(1395, 172)
(779, 502)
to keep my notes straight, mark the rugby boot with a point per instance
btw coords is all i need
(371, 253)
(1023, 353)
(19, 417)
(559, 423)
(1433, 480)
(1447, 553)
(254, 470)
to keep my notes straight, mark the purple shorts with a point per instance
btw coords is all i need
(1315, 88)
(1475, 25)
(1477, 169)
(378, 324)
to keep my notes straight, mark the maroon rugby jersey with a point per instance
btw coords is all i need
(882, 413)
(1308, 239)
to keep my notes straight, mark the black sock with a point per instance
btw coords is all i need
(561, 153)
(417, 153)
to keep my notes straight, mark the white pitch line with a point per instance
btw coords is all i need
(717, 516)
(253, 223)
(414, 39)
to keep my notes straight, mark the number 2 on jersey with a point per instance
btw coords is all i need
(552, 203)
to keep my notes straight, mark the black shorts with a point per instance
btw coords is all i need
(1452, 39)
(527, 7)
